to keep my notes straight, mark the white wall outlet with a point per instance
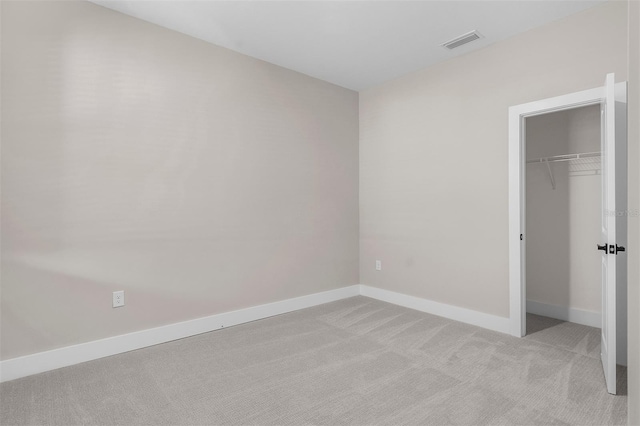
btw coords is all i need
(378, 265)
(118, 298)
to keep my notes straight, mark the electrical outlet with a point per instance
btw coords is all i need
(378, 265)
(118, 298)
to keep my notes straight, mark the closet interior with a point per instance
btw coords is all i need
(563, 215)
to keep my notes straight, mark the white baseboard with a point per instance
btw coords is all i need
(50, 360)
(564, 313)
(468, 316)
(57, 358)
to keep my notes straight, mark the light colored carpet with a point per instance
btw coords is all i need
(357, 361)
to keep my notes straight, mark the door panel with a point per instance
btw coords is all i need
(608, 146)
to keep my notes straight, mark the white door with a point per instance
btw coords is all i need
(608, 247)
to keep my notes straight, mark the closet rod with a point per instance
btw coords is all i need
(566, 157)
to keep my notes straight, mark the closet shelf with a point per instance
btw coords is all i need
(566, 157)
(578, 163)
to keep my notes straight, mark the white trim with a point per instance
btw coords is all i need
(517, 208)
(565, 313)
(57, 358)
(456, 313)
(50, 360)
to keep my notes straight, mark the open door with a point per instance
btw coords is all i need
(612, 176)
(613, 101)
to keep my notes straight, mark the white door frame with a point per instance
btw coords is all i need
(517, 192)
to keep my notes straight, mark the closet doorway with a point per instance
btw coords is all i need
(567, 214)
(563, 208)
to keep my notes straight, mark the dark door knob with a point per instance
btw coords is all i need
(602, 247)
(619, 248)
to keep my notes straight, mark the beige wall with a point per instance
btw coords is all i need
(563, 224)
(135, 158)
(633, 371)
(433, 156)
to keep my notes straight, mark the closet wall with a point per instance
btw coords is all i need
(563, 224)
(434, 149)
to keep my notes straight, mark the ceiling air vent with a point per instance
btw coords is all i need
(463, 39)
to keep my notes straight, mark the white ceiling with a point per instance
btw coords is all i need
(354, 44)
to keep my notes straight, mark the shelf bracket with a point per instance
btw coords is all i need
(553, 181)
